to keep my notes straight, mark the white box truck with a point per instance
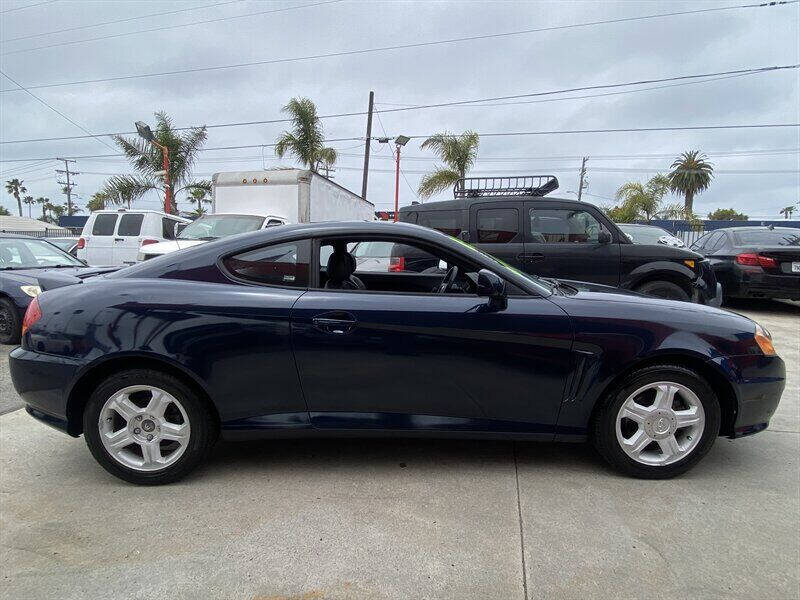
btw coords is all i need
(251, 200)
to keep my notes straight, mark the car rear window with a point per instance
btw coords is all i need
(278, 264)
(130, 224)
(104, 224)
(497, 225)
(767, 237)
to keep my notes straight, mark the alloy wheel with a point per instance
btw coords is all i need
(144, 428)
(660, 423)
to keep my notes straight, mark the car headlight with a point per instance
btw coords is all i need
(31, 290)
(764, 340)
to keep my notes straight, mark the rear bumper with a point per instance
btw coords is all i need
(43, 382)
(758, 383)
(754, 282)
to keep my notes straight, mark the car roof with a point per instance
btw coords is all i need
(755, 228)
(463, 203)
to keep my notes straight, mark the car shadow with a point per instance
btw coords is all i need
(786, 307)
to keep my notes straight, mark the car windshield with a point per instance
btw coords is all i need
(63, 243)
(768, 237)
(18, 253)
(211, 227)
(644, 235)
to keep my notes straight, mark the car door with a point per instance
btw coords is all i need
(128, 238)
(495, 228)
(100, 245)
(426, 361)
(563, 240)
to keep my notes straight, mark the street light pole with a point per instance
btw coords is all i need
(147, 134)
(399, 142)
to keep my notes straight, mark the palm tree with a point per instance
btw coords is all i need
(44, 202)
(147, 160)
(644, 199)
(15, 188)
(97, 202)
(306, 140)
(690, 175)
(458, 152)
(4, 212)
(787, 212)
(30, 202)
(200, 196)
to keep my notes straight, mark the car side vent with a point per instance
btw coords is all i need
(517, 185)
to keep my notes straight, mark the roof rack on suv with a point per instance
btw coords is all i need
(518, 185)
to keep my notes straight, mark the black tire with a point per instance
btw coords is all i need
(603, 430)
(664, 289)
(204, 428)
(10, 325)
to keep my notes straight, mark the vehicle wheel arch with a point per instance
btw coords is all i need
(100, 370)
(676, 276)
(707, 370)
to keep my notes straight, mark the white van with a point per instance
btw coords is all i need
(113, 237)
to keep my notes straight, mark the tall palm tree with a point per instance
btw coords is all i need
(44, 202)
(200, 196)
(306, 141)
(97, 201)
(644, 199)
(15, 188)
(457, 152)
(691, 174)
(787, 212)
(147, 160)
(30, 202)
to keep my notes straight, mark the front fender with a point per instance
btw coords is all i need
(642, 272)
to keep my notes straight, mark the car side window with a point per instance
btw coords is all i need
(710, 240)
(717, 243)
(104, 224)
(446, 221)
(285, 264)
(130, 224)
(563, 225)
(497, 225)
(168, 228)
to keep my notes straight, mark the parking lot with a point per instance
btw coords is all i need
(406, 518)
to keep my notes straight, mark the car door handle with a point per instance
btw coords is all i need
(335, 323)
(531, 257)
(119, 239)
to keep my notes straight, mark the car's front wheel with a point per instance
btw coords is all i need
(147, 427)
(663, 289)
(10, 326)
(658, 423)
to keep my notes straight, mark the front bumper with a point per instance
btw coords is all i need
(758, 383)
(43, 381)
(706, 288)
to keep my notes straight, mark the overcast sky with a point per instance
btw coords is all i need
(520, 64)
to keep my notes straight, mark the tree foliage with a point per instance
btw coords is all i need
(16, 189)
(306, 140)
(457, 152)
(727, 214)
(691, 174)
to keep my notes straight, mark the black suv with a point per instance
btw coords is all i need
(509, 218)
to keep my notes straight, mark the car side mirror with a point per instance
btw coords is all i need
(604, 237)
(179, 227)
(493, 287)
(464, 236)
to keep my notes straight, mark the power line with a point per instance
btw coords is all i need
(126, 20)
(167, 27)
(8, 10)
(55, 110)
(400, 46)
(436, 105)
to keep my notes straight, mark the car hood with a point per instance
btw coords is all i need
(50, 279)
(171, 246)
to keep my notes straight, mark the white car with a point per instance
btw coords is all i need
(207, 228)
(114, 237)
(650, 234)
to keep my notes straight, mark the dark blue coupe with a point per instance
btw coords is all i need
(275, 333)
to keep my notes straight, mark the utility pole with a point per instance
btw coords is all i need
(583, 183)
(366, 146)
(68, 185)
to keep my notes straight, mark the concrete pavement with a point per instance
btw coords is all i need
(407, 518)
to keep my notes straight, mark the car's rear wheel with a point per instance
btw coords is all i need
(658, 423)
(663, 289)
(147, 427)
(10, 326)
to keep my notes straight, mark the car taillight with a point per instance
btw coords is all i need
(397, 264)
(752, 259)
(148, 242)
(33, 314)
(81, 244)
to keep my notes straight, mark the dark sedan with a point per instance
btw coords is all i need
(255, 335)
(27, 267)
(754, 262)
